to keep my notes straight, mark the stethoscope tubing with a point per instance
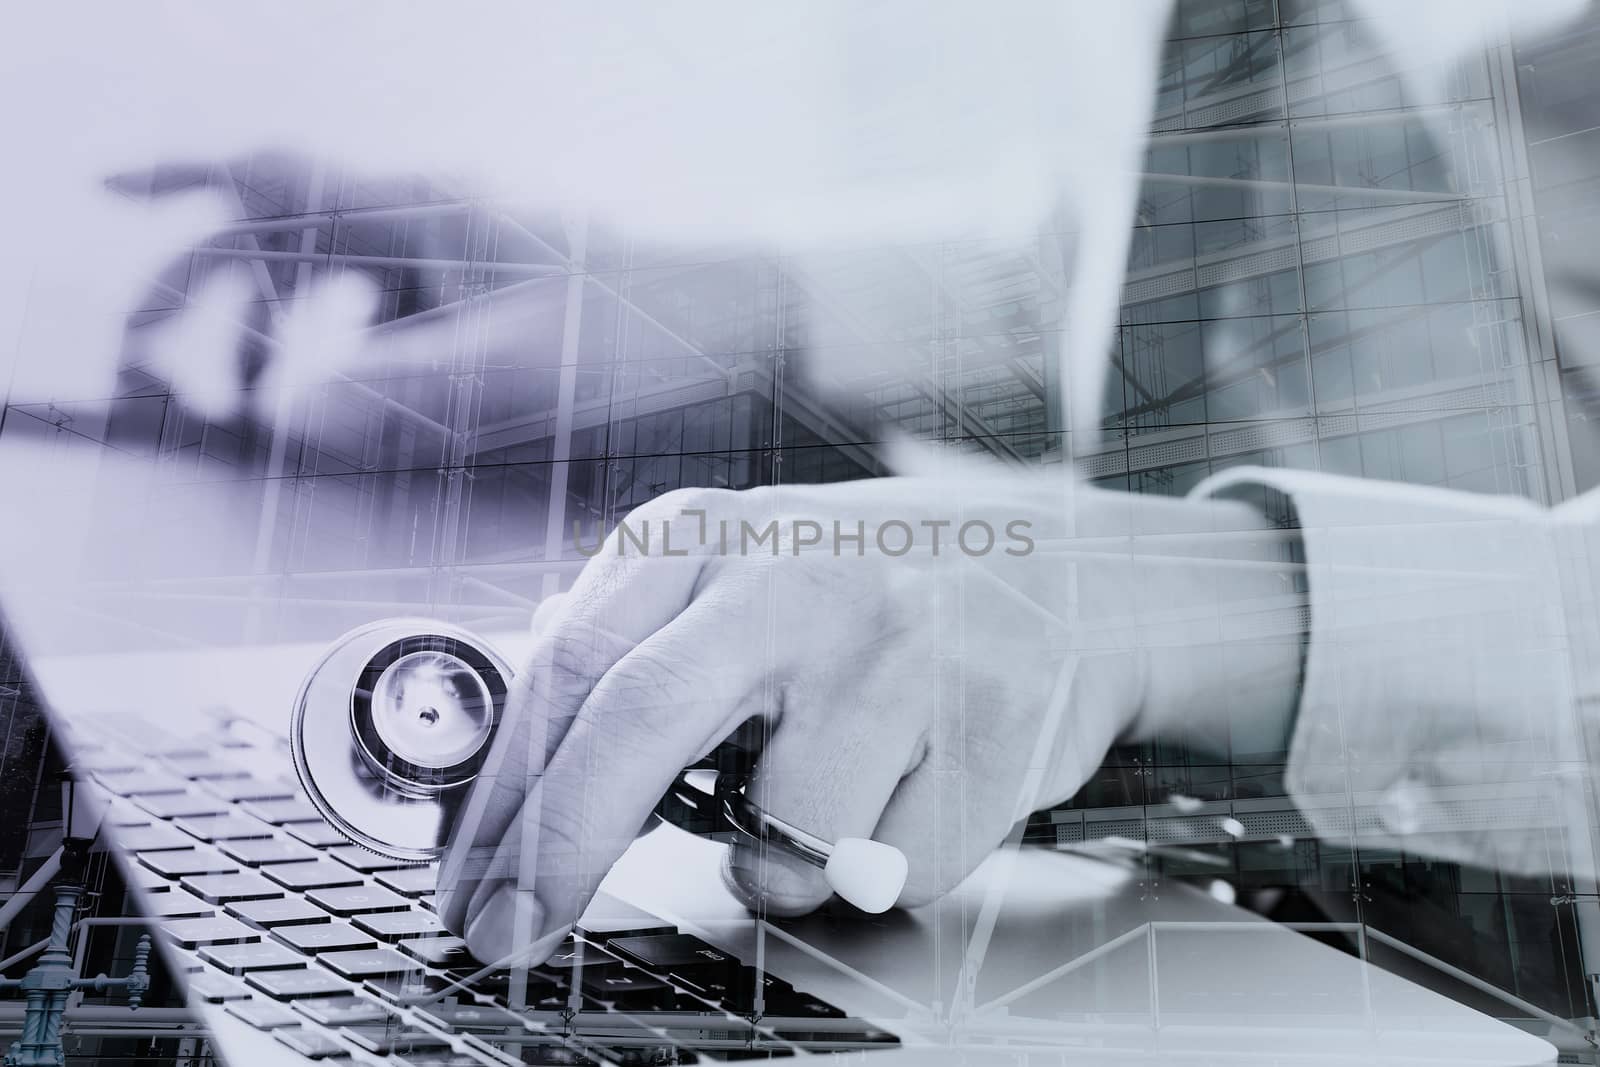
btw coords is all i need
(750, 820)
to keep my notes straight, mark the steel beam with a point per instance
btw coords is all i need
(568, 266)
(358, 259)
(971, 424)
(670, 395)
(1278, 127)
(282, 410)
(1382, 196)
(300, 220)
(566, 398)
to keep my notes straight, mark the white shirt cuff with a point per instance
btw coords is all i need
(1437, 707)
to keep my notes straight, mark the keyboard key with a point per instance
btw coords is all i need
(254, 956)
(629, 1052)
(322, 937)
(553, 997)
(204, 767)
(260, 851)
(181, 805)
(616, 984)
(487, 983)
(278, 812)
(222, 888)
(410, 881)
(356, 900)
(149, 838)
(417, 988)
(178, 863)
(365, 860)
(468, 1018)
(214, 988)
(309, 1044)
(537, 1045)
(249, 789)
(667, 950)
(491, 1048)
(176, 906)
(315, 874)
(215, 930)
(440, 952)
(732, 987)
(800, 1005)
(541, 992)
(448, 1059)
(393, 925)
(343, 1010)
(570, 953)
(367, 963)
(143, 783)
(263, 1014)
(146, 879)
(316, 834)
(384, 1038)
(276, 911)
(293, 985)
(775, 992)
(229, 826)
(124, 813)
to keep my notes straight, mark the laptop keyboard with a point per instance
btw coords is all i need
(336, 951)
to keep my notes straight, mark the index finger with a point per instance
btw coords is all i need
(659, 709)
(616, 604)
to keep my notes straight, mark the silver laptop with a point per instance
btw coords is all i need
(294, 944)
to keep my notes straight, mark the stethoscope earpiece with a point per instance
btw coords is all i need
(394, 722)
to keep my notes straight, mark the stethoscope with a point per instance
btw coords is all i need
(395, 720)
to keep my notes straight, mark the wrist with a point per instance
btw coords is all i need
(1220, 638)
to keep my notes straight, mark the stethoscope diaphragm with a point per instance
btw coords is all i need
(390, 729)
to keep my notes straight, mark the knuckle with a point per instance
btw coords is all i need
(758, 500)
(671, 505)
(571, 653)
(600, 577)
(654, 673)
(635, 726)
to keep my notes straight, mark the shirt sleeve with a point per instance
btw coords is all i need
(1443, 708)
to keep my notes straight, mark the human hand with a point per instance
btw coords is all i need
(925, 700)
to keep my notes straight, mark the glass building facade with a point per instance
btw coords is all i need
(1331, 269)
(1332, 273)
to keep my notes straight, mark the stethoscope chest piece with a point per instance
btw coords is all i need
(392, 726)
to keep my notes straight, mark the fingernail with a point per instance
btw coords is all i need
(508, 922)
